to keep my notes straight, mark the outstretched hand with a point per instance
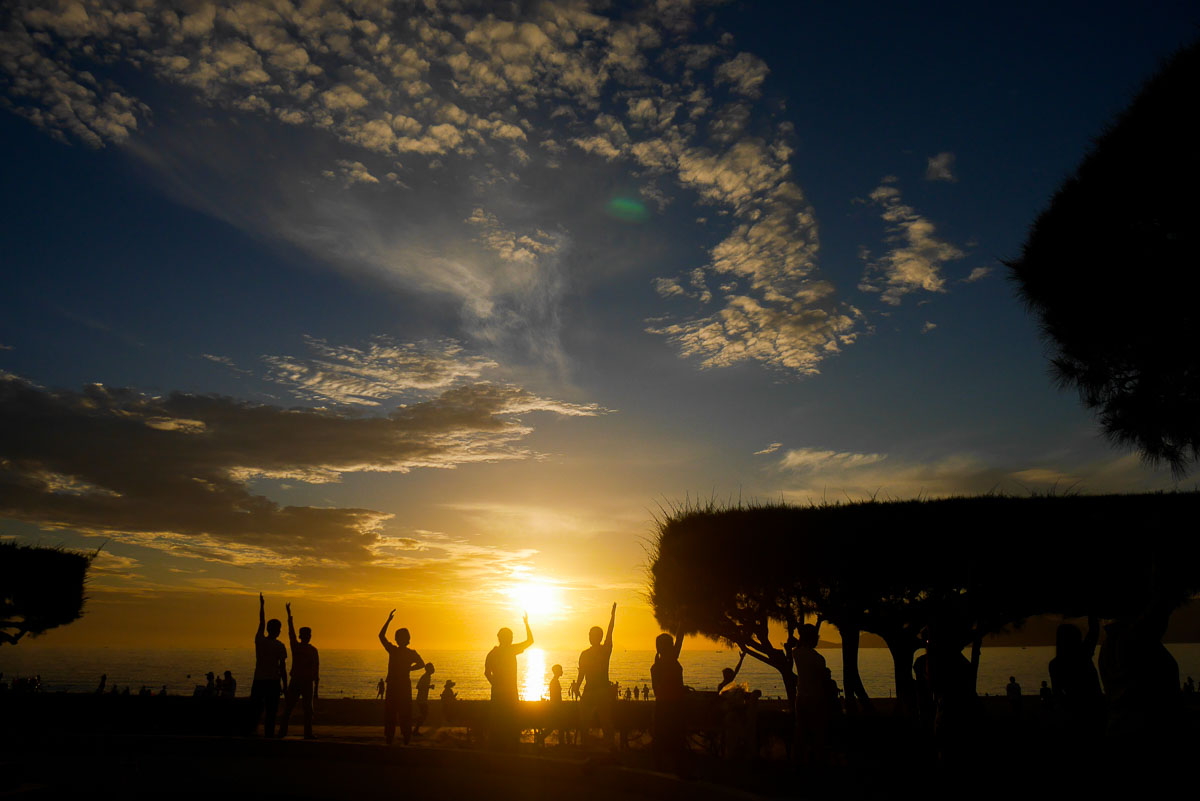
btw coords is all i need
(261, 601)
(614, 609)
(391, 615)
(288, 607)
(526, 618)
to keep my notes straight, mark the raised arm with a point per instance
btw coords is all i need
(738, 666)
(528, 636)
(262, 617)
(291, 627)
(612, 621)
(383, 631)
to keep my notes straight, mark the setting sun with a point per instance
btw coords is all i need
(540, 599)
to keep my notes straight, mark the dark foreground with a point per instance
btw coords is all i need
(64, 746)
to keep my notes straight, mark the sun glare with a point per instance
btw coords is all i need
(534, 676)
(539, 599)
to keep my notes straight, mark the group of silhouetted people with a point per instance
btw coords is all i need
(271, 677)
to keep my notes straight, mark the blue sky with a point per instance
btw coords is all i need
(406, 220)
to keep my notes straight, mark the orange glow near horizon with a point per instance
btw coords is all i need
(534, 678)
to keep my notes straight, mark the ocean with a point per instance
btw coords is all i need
(355, 674)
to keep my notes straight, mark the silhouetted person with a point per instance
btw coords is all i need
(574, 691)
(379, 688)
(229, 686)
(813, 714)
(500, 669)
(952, 685)
(103, 681)
(636, 692)
(1189, 686)
(1046, 696)
(926, 709)
(423, 684)
(666, 674)
(270, 670)
(449, 701)
(729, 674)
(554, 695)
(397, 703)
(597, 694)
(306, 677)
(1074, 680)
(628, 694)
(1013, 691)
(646, 692)
(210, 685)
(1141, 678)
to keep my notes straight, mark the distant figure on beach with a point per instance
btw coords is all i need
(397, 703)
(1073, 677)
(628, 694)
(813, 714)
(1046, 696)
(103, 681)
(500, 669)
(306, 677)
(597, 693)
(210, 685)
(666, 674)
(645, 692)
(554, 695)
(729, 674)
(636, 692)
(229, 686)
(1013, 691)
(1189, 686)
(270, 670)
(379, 688)
(423, 684)
(449, 703)
(574, 691)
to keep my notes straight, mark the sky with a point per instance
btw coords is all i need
(438, 305)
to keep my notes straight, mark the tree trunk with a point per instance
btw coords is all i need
(852, 684)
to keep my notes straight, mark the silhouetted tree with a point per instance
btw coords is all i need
(1112, 268)
(40, 589)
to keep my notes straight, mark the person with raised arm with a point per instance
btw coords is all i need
(729, 674)
(397, 702)
(666, 676)
(270, 670)
(596, 699)
(306, 677)
(500, 669)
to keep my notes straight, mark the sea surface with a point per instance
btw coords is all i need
(355, 674)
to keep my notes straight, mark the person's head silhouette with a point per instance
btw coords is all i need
(274, 627)
(664, 644)
(595, 635)
(727, 674)
(556, 670)
(808, 635)
(428, 667)
(505, 636)
(403, 638)
(305, 634)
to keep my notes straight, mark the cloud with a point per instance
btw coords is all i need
(941, 168)
(774, 446)
(172, 472)
(746, 72)
(351, 172)
(458, 92)
(827, 474)
(977, 274)
(916, 257)
(381, 370)
(810, 459)
(925, 329)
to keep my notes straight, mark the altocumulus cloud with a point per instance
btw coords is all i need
(484, 95)
(172, 472)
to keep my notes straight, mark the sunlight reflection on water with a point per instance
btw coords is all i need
(534, 679)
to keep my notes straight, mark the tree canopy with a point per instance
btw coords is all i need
(40, 589)
(1112, 269)
(973, 565)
